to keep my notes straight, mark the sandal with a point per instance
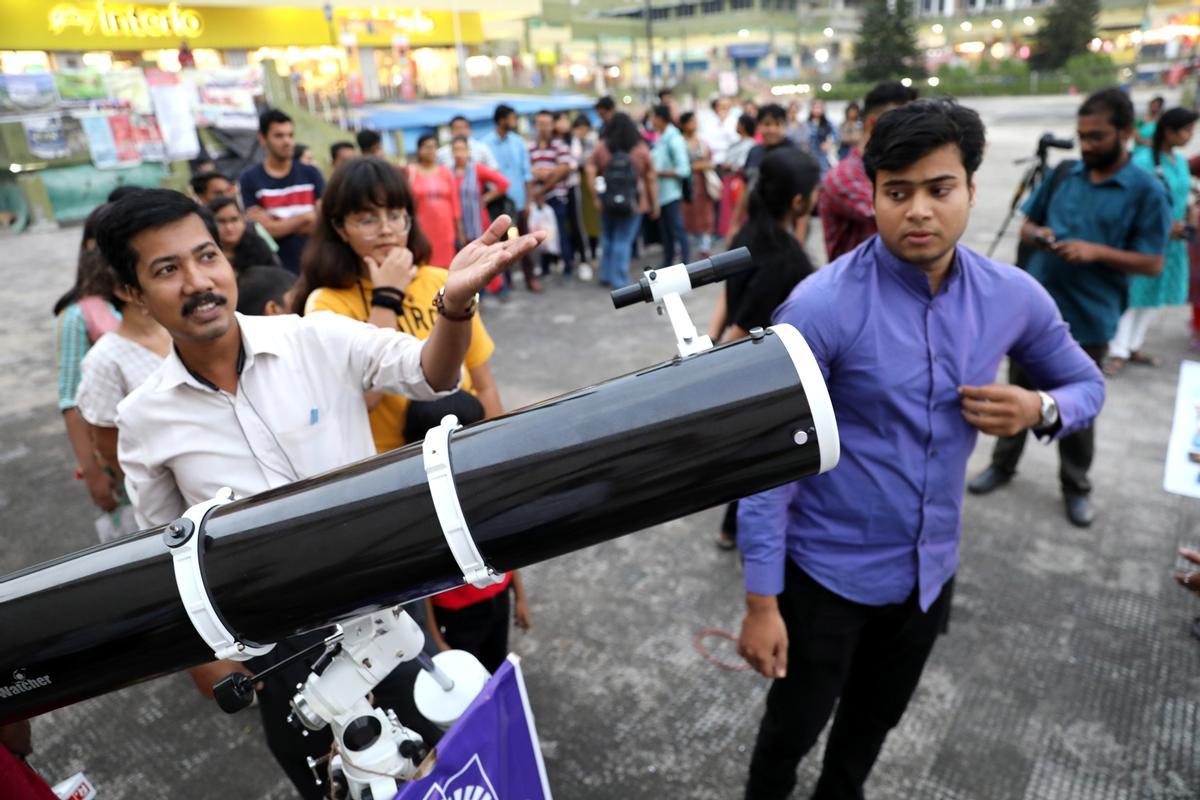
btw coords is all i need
(1113, 366)
(1144, 360)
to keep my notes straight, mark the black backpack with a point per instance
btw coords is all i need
(620, 185)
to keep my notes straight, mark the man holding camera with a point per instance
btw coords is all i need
(1105, 220)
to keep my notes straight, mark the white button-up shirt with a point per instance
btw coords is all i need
(298, 411)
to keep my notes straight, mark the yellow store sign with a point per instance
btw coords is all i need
(119, 19)
(113, 25)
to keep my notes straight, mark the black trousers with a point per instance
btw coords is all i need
(1075, 450)
(480, 629)
(867, 659)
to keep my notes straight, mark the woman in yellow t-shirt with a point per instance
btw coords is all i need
(367, 260)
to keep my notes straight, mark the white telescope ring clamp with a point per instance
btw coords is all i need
(193, 590)
(440, 476)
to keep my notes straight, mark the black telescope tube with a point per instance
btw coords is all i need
(633, 293)
(719, 267)
(700, 273)
(588, 466)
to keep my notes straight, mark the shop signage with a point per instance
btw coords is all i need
(124, 19)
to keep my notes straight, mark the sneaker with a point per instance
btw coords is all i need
(585, 272)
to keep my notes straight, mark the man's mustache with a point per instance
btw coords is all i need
(195, 302)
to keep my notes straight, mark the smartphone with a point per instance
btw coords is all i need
(1041, 240)
(1189, 233)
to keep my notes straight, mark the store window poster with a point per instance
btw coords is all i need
(128, 88)
(76, 86)
(46, 137)
(124, 139)
(21, 94)
(148, 137)
(101, 146)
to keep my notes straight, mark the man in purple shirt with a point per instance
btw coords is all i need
(848, 574)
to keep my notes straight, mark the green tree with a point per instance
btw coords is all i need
(887, 42)
(1069, 27)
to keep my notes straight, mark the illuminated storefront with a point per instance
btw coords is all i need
(377, 52)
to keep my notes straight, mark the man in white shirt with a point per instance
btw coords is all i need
(719, 129)
(480, 152)
(253, 403)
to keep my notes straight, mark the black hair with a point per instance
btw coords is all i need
(298, 151)
(367, 139)
(199, 183)
(260, 284)
(251, 250)
(665, 92)
(1158, 98)
(771, 111)
(748, 124)
(200, 161)
(272, 116)
(905, 135)
(1172, 120)
(143, 211)
(502, 112)
(887, 93)
(338, 147)
(606, 103)
(459, 118)
(122, 191)
(621, 133)
(581, 121)
(361, 184)
(785, 173)
(545, 113)
(462, 140)
(89, 268)
(686, 117)
(426, 137)
(662, 111)
(1113, 101)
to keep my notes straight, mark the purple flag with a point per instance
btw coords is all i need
(492, 752)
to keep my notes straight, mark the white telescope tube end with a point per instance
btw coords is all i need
(819, 404)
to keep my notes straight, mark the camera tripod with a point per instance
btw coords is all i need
(1030, 181)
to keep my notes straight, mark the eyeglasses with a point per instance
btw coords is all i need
(372, 225)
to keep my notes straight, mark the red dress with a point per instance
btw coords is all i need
(438, 211)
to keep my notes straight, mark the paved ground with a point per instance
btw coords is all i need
(1068, 674)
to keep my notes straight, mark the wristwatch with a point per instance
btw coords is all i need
(1049, 411)
(439, 303)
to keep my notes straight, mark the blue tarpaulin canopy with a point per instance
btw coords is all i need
(416, 118)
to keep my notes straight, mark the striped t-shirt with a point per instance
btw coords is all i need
(296, 193)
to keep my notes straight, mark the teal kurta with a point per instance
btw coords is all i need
(1171, 287)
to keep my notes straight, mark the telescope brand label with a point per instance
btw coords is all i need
(22, 684)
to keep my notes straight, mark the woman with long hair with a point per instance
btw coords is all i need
(699, 213)
(823, 136)
(629, 190)
(437, 203)
(240, 242)
(82, 315)
(368, 259)
(784, 194)
(1170, 287)
(851, 131)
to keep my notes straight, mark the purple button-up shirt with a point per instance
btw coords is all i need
(887, 519)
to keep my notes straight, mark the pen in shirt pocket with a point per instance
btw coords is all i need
(314, 415)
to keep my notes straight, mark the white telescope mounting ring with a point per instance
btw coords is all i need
(440, 476)
(193, 590)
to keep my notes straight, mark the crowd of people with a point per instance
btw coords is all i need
(357, 329)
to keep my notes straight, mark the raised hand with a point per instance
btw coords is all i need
(483, 259)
